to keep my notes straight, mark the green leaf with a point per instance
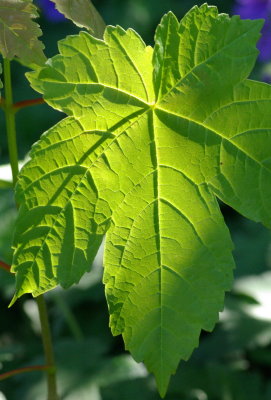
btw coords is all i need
(19, 33)
(83, 14)
(151, 139)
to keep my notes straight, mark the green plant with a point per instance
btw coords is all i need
(153, 137)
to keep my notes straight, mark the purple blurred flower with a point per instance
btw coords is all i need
(49, 11)
(254, 9)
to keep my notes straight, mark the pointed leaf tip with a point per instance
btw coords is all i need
(13, 301)
(162, 385)
(15, 296)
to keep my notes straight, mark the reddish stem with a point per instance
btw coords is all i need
(4, 266)
(22, 104)
(27, 103)
(25, 369)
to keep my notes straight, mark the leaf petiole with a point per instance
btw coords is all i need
(27, 103)
(4, 266)
(22, 104)
(17, 371)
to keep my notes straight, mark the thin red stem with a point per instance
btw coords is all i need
(27, 103)
(22, 104)
(25, 369)
(4, 266)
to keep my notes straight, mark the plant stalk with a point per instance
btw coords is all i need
(27, 103)
(13, 156)
(4, 266)
(69, 317)
(18, 371)
(10, 122)
(48, 348)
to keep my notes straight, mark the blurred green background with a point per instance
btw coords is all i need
(232, 363)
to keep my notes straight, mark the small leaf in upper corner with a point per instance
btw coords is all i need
(19, 33)
(83, 14)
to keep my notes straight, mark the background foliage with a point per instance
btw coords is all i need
(232, 363)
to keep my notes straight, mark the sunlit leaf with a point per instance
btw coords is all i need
(83, 14)
(152, 138)
(19, 33)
